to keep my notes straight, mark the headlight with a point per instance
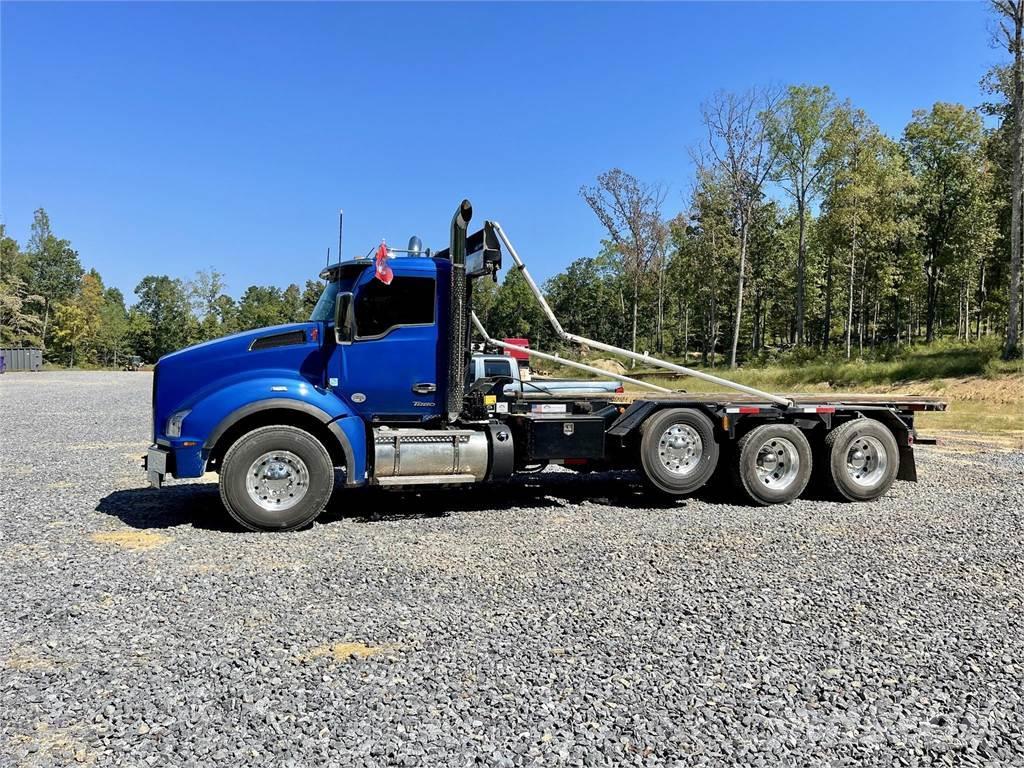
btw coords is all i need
(174, 423)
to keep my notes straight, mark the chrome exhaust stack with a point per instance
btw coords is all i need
(458, 329)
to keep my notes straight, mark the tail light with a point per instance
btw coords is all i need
(620, 390)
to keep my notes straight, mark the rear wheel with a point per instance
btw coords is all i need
(678, 452)
(773, 463)
(863, 459)
(276, 478)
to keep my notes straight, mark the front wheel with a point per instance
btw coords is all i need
(276, 478)
(863, 459)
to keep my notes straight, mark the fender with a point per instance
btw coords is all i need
(211, 416)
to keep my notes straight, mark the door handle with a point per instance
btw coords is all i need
(425, 388)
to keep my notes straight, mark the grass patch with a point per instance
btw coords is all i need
(345, 651)
(939, 361)
(133, 540)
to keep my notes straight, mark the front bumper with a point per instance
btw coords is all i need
(156, 463)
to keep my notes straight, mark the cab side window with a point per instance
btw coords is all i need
(407, 301)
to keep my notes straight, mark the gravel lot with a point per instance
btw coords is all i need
(561, 620)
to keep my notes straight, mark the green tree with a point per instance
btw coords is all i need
(485, 293)
(310, 296)
(630, 212)
(584, 297)
(292, 307)
(1012, 27)
(204, 291)
(112, 333)
(799, 134)
(71, 328)
(53, 265)
(19, 324)
(165, 304)
(12, 260)
(944, 146)
(139, 335)
(705, 261)
(516, 313)
(261, 306)
(77, 322)
(738, 152)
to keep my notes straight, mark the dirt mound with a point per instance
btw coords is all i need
(606, 364)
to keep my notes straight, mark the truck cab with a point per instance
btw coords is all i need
(365, 387)
(390, 362)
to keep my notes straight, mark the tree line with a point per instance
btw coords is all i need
(806, 231)
(49, 300)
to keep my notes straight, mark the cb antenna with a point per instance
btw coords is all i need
(341, 223)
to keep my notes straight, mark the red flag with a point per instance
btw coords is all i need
(383, 269)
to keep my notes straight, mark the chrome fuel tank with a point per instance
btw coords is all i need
(432, 455)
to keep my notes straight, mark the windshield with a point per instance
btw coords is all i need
(324, 309)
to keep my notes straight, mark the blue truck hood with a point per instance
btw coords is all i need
(184, 377)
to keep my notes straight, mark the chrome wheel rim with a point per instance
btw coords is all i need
(277, 480)
(777, 463)
(680, 449)
(866, 460)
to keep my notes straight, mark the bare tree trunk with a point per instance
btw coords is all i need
(827, 330)
(1016, 12)
(636, 303)
(967, 315)
(849, 310)
(713, 330)
(862, 315)
(932, 297)
(801, 268)
(739, 289)
(686, 332)
(661, 306)
(46, 320)
(981, 300)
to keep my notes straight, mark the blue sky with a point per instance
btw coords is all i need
(166, 138)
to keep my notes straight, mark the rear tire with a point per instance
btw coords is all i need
(678, 451)
(863, 459)
(773, 464)
(276, 478)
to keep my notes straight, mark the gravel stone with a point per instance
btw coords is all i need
(561, 619)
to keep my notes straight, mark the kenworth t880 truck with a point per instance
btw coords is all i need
(378, 385)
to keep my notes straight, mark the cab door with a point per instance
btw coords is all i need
(390, 369)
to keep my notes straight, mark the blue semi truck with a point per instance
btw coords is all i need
(378, 388)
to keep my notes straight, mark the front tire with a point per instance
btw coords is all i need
(678, 451)
(276, 478)
(863, 459)
(773, 463)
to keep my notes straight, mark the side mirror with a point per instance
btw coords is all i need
(344, 319)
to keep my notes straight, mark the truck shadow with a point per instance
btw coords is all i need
(535, 492)
(199, 505)
(194, 504)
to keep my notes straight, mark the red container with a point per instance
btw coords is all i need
(519, 343)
